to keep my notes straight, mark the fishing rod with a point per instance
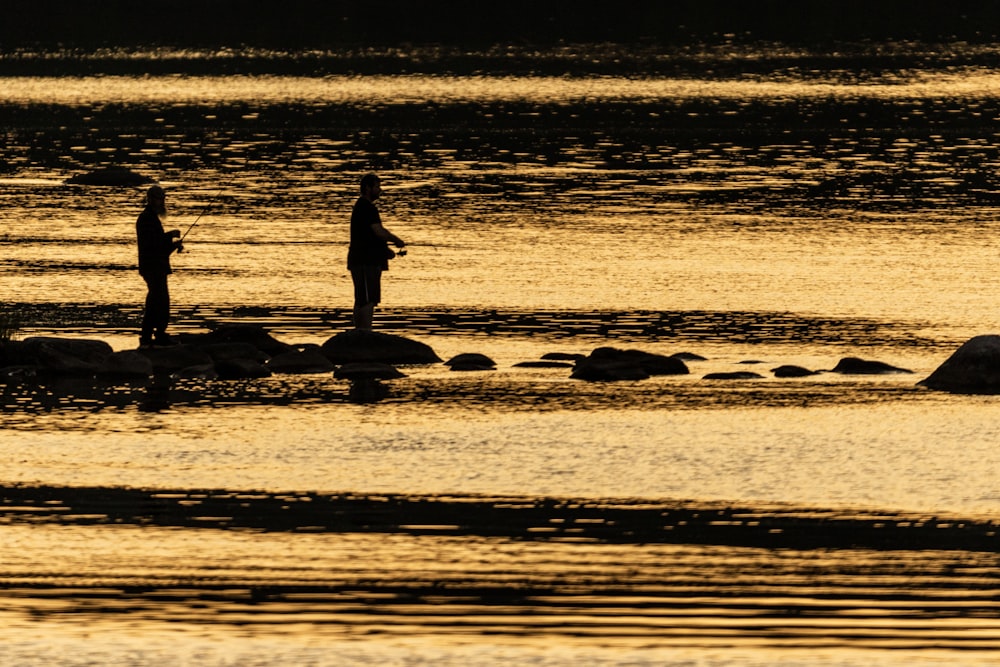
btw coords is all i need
(203, 212)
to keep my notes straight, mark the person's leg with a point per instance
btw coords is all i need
(163, 314)
(150, 310)
(363, 316)
(156, 315)
(367, 293)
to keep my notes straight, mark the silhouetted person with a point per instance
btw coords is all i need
(369, 253)
(155, 247)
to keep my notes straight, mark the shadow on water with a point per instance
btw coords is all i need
(599, 572)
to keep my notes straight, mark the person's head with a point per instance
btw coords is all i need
(156, 199)
(371, 187)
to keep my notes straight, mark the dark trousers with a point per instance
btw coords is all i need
(157, 313)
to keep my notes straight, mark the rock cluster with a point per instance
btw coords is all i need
(229, 352)
(244, 351)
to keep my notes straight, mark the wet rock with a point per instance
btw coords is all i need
(855, 366)
(367, 390)
(63, 356)
(196, 372)
(543, 364)
(734, 375)
(220, 352)
(688, 356)
(789, 371)
(609, 364)
(126, 364)
(368, 371)
(241, 369)
(175, 358)
(357, 346)
(307, 360)
(110, 176)
(974, 368)
(250, 334)
(18, 374)
(471, 361)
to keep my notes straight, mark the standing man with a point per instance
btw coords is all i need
(369, 253)
(155, 247)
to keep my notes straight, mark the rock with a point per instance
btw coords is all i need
(602, 370)
(792, 372)
(608, 363)
(366, 390)
(196, 372)
(308, 360)
(18, 374)
(543, 364)
(251, 334)
(241, 369)
(974, 368)
(357, 345)
(126, 364)
(563, 356)
(369, 370)
(855, 366)
(110, 176)
(64, 356)
(230, 351)
(688, 356)
(734, 375)
(175, 358)
(471, 361)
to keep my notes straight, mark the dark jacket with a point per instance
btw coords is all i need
(366, 249)
(155, 245)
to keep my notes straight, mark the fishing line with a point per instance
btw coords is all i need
(203, 212)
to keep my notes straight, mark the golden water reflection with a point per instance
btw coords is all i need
(378, 90)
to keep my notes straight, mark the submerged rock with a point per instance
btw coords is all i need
(610, 364)
(357, 345)
(734, 375)
(543, 364)
(974, 368)
(855, 366)
(471, 361)
(368, 371)
(789, 371)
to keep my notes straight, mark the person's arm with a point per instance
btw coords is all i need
(387, 236)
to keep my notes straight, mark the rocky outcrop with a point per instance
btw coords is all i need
(247, 334)
(58, 356)
(855, 366)
(310, 359)
(609, 364)
(974, 368)
(126, 364)
(357, 345)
